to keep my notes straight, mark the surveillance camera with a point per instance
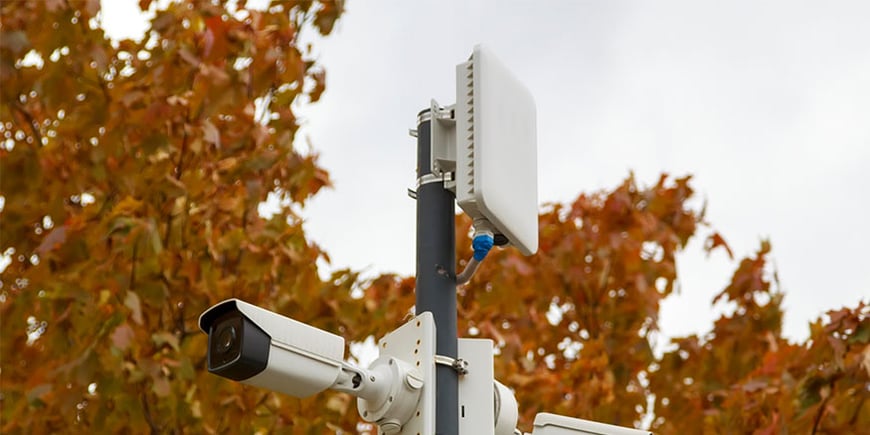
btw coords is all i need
(258, 347)
(552, 424)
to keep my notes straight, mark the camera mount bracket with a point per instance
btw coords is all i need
(407, 356)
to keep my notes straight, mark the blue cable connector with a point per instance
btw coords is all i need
(482, 244)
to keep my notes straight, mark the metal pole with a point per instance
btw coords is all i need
(436, 272)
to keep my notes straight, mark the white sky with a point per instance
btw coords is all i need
(766, 103)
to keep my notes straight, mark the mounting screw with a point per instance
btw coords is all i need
(461, 366)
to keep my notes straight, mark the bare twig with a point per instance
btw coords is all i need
(133, 266)
(821, 412)
(34, 125)
(155, 428)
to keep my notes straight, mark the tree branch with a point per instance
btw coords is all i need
(133, 266)
(155, 428)
(179, 168)
(821, 412)
(857, 411)
(34, 126)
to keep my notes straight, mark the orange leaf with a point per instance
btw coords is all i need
(716, 240)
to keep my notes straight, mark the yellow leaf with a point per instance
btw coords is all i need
(211, 134)
(131, 301)
(104, 297)
(227, 163)
(338, 403)
(126, 207)
(196, 146)
(195, 409)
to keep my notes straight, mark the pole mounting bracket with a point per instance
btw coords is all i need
(443, 143)
(447, 179)
(458, 364)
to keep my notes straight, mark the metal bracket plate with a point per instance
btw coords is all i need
(414, 342)
(476, 413)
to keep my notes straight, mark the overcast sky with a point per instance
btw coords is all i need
(767, 104)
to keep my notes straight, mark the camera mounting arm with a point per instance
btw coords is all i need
(387, 392)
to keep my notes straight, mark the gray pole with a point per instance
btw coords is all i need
(436, 274)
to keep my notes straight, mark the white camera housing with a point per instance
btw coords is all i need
(268, 350)
(552, 424)
(257, 347)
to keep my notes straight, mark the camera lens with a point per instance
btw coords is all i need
(237, 348)
(226, 339)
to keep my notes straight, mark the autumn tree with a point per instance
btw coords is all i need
(574, 322)
(574, 325)
(131, 174)
(743, 376)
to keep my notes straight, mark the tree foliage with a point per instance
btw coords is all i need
(131, 178)
(574, 326)
(131, 175)
(745, 375)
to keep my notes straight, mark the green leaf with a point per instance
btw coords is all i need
(861, 334)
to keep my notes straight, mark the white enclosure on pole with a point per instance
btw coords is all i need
(496, 149)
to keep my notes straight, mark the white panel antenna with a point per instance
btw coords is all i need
(494, 144)
(497, 163)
